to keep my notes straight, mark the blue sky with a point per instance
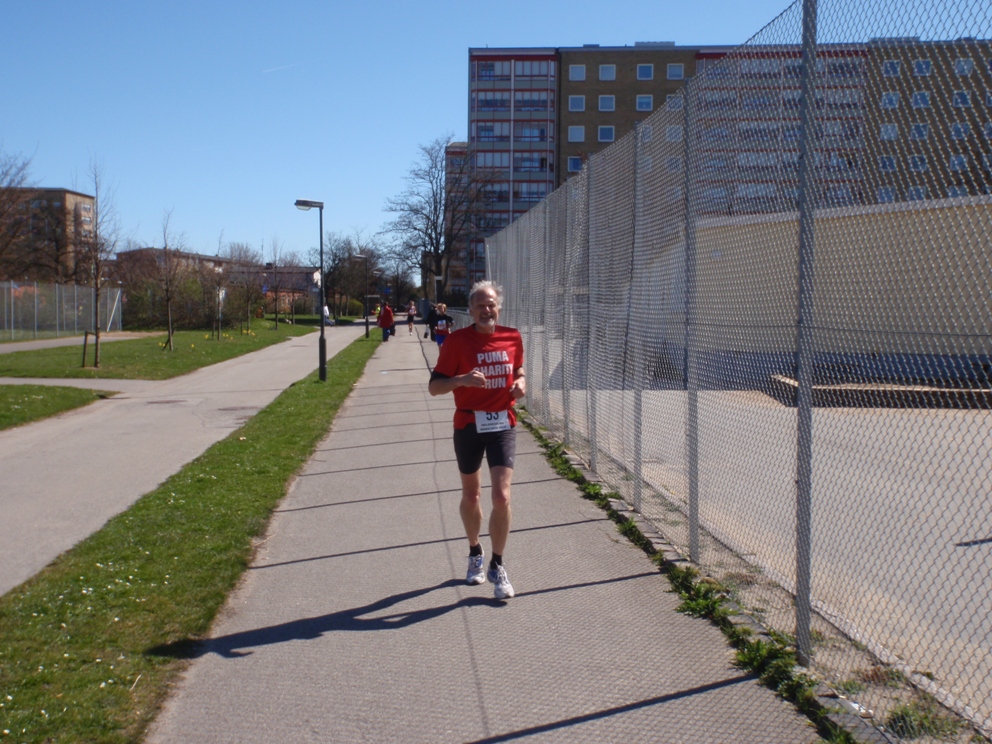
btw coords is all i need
(227, 112)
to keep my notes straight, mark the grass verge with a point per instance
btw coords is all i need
(145, 358)
(76, 641)
(772, 660)
(22, 404)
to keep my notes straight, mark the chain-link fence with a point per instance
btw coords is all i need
(764, 317)
(33, 310)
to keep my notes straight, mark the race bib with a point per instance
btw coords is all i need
(489, 421)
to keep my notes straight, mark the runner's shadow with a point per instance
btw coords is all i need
(239, 644)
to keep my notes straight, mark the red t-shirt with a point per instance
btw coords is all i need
(496, 355)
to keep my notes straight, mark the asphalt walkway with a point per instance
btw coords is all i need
(354, 623)
(62, 478)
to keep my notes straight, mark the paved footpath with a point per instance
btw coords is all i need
(354, 623)
(62, 478)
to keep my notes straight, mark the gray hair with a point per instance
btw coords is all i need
(484, 285)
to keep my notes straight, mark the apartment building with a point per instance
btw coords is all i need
(606, 91)
(47, 227)
(928, 119)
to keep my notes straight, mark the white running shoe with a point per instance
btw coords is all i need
(476, 572)
(502, 588)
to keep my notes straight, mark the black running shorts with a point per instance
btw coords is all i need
(499, 447)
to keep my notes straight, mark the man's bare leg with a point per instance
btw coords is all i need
(499, 519)
(470, 507)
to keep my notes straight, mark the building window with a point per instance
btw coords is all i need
(888, 132)
(607, 72)
(606, 134)
(577, 73)
(917, 193)
(922, 67)
(607, 103)
(889, 100)
(919, 132)
(960, 130)
(887, 164)
(673, 164)
(574, 164)
(491, 100)
(918, 164)
(676, 71)
(961, 99)
(576, 134)
(529, 192)
(492, 70)
(645, 72)
(988, 130)
(886, 195)
(673, 133)
(988, 99)
(673, 102)
(646, 131)
(86, 207)
(645, 103)
(921, 99)
(530, 162)
(954, 192)
(529, 131)
(530, 100)
(987, 162)
(86, 220)
(492, 160)
(490, 131)
(964, 66)
(576, 103)
(891, 68)
(957, 163)
(533, 68)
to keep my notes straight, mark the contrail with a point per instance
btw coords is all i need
(276, 69)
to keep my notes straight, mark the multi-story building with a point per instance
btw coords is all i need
(928, 119)
(50, 225)
(896, 119)
(606, 91)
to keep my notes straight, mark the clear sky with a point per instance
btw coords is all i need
(227, 112)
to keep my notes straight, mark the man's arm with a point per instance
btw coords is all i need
(439, 384)
(519, 387)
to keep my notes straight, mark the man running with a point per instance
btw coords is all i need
(483, 365)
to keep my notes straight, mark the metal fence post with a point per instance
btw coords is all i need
(638, 371)
(36, 309)
(569, 307)
(804, 330)
(590, 377)
(690, 375)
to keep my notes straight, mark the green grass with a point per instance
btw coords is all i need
(22, 404)
(145, 358)
(81, 642)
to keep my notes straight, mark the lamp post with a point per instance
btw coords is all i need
(305, 205)
(365, 258)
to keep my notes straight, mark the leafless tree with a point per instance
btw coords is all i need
(14, 219)
(343, 272)
(436, 211)
(275, 278)
(173, 269)
(245, 276)
(96, 249)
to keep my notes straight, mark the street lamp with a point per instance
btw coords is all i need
(365, 258)
(306, 205)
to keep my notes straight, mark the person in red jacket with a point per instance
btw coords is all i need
(386, 321)
(483, 365)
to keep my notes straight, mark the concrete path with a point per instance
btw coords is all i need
(51, 343)
(354, 623)
(62, 478)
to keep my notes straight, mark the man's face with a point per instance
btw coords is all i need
(484, 310)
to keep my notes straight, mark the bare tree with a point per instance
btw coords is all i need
(344, 273)
(275, 279)
(172, 269)
(98, 247)
(14, 219)
(437, 210)
(245, 276)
